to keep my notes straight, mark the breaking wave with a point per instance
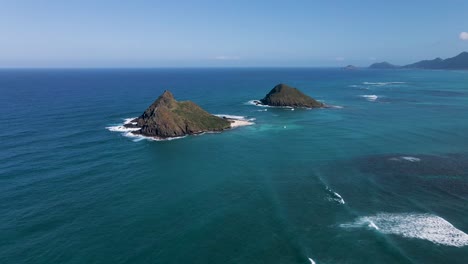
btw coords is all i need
(334, 196)
(127, 131)
(412, 225)
(370, 97)
(235, 117)
(257, 103)
(406, 158)
(236, 121)
(382, 83)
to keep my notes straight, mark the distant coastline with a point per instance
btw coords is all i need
(459, 62)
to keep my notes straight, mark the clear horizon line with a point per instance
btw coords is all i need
(167, 67)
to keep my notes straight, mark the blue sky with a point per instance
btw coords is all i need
(209, 33)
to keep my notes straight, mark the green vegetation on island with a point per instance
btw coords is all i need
(167, 117)
(284, 95)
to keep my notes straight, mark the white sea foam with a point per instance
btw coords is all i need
(121, 128)
(335, 106)
(360, 86)
(382, 83)
(235, 117)
(238, 121)
(311, 261)
(254, 103)
(334, 196)
(406, 158)
(127, 132)
(411, 159)
(129, 121)
(412, 225)
(370, 97)
(338, 198)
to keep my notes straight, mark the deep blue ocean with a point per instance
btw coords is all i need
(382, 177)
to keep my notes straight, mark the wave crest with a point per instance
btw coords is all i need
(412, 225)
(370, 97)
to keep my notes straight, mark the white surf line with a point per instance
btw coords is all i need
(411, 159)
(428, 227)
(382, 83)
(257, 103)
(370, 97)
(406, 158)
(236, 121)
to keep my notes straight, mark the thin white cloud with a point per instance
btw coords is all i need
(464, 35)
(372, 58)
(227, 58)
(339, 59)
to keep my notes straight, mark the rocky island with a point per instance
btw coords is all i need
(350, 68)
(168, 118)
(383, 65)
(283, 95)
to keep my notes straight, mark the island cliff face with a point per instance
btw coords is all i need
(284, 95)
(167, 117)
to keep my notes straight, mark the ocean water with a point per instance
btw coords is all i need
(382, 177)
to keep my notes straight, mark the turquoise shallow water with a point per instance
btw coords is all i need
(383, 179)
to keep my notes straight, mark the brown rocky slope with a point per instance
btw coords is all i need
(167, 118)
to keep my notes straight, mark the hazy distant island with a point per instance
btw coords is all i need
(167, 118)
(459, 62)
(283, 95)
(350, 67)
(383, 65)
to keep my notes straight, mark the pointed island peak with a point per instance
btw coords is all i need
(285, 95)
(281, 87)
(167, 94)
(166, 98)
(166, 118)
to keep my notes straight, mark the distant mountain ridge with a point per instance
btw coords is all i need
(383, 65)
(459, 62)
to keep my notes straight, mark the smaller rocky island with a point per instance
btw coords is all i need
(283, 95)
(168, 118)
(350, 68)
(383, 65)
